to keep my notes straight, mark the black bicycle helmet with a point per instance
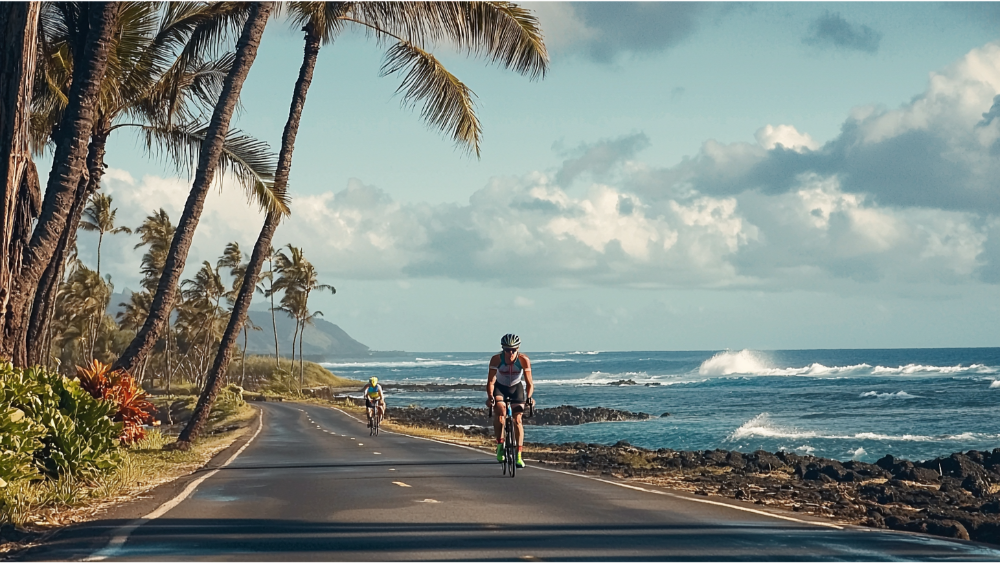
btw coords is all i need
(510, 341)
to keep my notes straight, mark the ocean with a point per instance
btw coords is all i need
(843, 404)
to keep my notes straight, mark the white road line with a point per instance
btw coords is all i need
(653, 491)
(401, 484)
(120, 536)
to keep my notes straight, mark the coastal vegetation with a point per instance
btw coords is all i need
(74, 377)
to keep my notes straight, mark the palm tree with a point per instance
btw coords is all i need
(100, 217)
(159, 84)
(200, 315)
(503, 32)
(17, 65)
(155, 233)
(67, 168)
(208, 161)
(232, 258)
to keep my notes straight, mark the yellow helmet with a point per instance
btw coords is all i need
(373, 380)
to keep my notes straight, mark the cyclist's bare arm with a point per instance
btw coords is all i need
(529, 387)
(491, 379)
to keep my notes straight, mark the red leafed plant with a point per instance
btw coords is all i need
(121, 389)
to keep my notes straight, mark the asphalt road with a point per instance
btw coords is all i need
(312, 485)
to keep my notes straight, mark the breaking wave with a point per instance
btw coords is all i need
(761, 426)
(898, 395)
(751, 362)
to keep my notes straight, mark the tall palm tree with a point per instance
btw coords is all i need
(232, 258)
(155, 233)
(100, 217)
(67, 168)
(163, 78)
(502, 32)
(208, 161)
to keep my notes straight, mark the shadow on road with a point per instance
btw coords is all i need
(189, 539)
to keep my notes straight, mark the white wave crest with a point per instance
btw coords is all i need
(917, 369)
(855, 454)
(995, 384)
(750, 362)
(729, 363)
(898, 395)
(762, 426)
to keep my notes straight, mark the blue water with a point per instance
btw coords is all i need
(842, 404)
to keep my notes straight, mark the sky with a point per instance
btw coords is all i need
(686, 176)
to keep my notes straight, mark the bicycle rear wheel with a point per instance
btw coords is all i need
(378, 421)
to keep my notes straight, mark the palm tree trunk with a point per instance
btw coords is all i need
(302, 337)
(274, 324)
(43, 307)
(257, 257)
(100, 239)
(208, 160)
(243, 359)
(19, 26)
(295, 336)
(68, 165)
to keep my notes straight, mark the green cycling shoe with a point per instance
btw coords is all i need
(519, 463)
(500, 456)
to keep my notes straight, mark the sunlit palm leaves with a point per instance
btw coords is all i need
(99, 217)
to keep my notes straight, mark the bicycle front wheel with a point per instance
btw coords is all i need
(510, 448)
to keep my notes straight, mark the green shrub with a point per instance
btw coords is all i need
(80, 439)
(20, 438)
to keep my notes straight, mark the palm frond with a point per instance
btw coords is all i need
(503, 32)
(447, 102)
(250, 160)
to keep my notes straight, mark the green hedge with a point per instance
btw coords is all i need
(50, 426)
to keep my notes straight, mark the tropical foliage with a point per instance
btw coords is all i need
(173, 72)
(65, 429)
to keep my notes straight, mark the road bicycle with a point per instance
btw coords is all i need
(509, 463)
(374, 420)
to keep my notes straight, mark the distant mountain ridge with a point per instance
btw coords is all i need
(323, 340)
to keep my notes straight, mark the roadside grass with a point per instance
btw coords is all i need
(284, 378)
(37, 506)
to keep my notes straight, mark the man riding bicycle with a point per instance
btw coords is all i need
(509, 380)
(374, 399)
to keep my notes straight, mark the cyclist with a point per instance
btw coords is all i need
(374, 398)
(509, 380)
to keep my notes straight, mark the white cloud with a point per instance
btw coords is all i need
(770, 136)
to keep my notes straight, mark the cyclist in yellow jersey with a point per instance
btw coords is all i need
(509, 379)
(374, 398)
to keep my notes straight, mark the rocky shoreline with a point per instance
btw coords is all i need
(475, 420)
(956, 496)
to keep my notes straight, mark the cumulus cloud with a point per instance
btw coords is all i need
(831, 30)
(600, 158)
(905, 196)
(938, 151)
(604, 31)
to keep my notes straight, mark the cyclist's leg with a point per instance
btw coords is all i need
(499, 411)
(381, 410)
(518, 428)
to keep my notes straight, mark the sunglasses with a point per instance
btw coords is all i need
(510, 350)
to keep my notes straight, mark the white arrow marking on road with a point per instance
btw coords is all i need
(400, 483)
